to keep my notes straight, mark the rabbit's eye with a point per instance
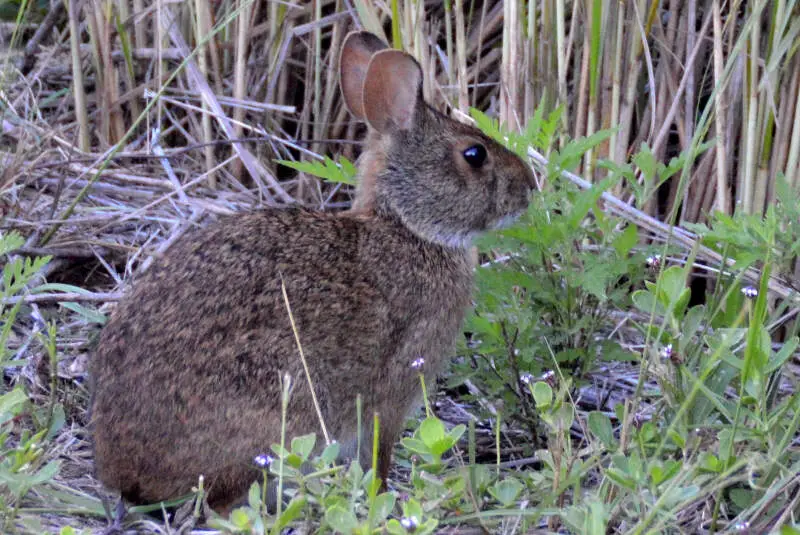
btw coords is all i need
(475, 155)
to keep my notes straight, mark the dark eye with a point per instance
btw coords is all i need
(475, 155)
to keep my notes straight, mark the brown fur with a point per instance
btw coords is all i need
(186, 378)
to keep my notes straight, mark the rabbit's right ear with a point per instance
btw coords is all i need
(392, 90)
(357, 51)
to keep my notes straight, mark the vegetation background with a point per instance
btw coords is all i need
(630, 365)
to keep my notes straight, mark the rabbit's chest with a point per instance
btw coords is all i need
(428, 323)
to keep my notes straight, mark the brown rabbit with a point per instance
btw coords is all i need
(186, 379)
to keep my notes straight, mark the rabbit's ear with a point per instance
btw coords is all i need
(392, 90)
(357, 51)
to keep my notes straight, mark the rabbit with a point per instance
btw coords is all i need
(186, 377)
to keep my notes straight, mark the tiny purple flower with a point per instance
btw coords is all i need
(409, 523)
(263, 461)
(418, 362)
(750, 292)
(653, 262)
(526, 378)
(666, 352)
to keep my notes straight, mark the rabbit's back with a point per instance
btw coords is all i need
(190, 364)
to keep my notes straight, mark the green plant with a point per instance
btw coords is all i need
(344, 172)
(18, 273)
(551, 282)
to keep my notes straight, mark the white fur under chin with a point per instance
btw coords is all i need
(463, 240)
(507, 220)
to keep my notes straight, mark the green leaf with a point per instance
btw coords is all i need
(341, 519)
(542, 394)
(304, 445)
(394, 527)
(621, 479)
(647, 163)
(626, 240)
(506, 491)
(254, 495)
(600, 425)
(455, 434)
(431, 431)
(414, 445)
(59, 418)
(10, 403)
(691, 323)
(383, 505)
(743, 498)
(21, 482)
(413, 509)
(292, 511)
(597, 519)
(90, 315)
(330, 453)
(660, 472)
(487, 125)
(59, 287)
(586, 201)
(326, 169)
(673, 283)
(11, 242)
(710, 463)
(611, 351)
(645, 301)
(780, 358)
(240, 518)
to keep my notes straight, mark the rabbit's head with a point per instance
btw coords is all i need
(446, 181)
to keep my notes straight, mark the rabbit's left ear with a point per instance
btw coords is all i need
(392, 90)
(357, 51)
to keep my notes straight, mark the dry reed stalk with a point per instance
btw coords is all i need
(239, 73)
(721, 110)
(509, 70)
(691, 80)
(138, 25)
(747, 174)
(560, 56)
(792, 169)
(128, 73)
(616, 87)
(202, 30)
(77, 77)
(461, 58)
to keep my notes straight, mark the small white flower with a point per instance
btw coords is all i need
(750, 292)
(409, 523)
(548, 375)
(667, 351)
(526, 378)
(263, 460)
(742, 526)
(653, 261)
(418, 362)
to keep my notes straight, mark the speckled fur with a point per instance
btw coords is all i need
(186, 377)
